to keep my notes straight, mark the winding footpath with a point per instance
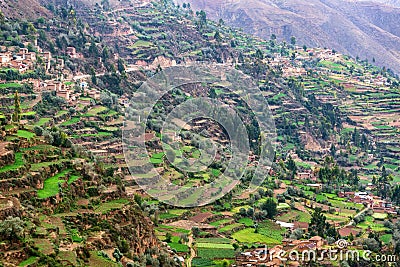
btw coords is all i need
(192, 252)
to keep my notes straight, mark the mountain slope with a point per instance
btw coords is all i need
(23, 9)
(365, 29)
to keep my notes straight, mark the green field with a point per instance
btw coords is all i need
(214, 240)
(18, 163)
(214, 245)
(179, 247)
(229, 227)
(379, 216)
(111, 205)
(25, 134)
(141, 44)
(220, 222)
(96, 110)
(247, 221)
(28, 261)
(10, 85)
(70, 122)
(42, 121)
(386, 238)
(215, 253)
(295, 215)
(249, 236)
(370, 223)
(51, 187)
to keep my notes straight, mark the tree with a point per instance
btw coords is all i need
(293, 40)
(2, 18)
(225, 263)
(105, 54)
(12, 228)
(297, 234)
(117, 255)
(196, 231)
(270, 207)
(319, 226)
(202, 19)
(93, 49)
(241, 58)
(259, 54)
(121, 65)
(38, 130)
(93, 75)
(217, 36)
(371, 244)
(105, 4)
(17, 108)
(291, 166)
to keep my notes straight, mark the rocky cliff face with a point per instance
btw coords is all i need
(366, 29)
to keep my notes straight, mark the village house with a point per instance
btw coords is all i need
(18, 65)
(64, 94)
(346, 194)
(304, 175)
(71, 51)
(301, 225)
(83, 85)
(5, 58)
(46, 55)
(173, 136)
(315, 186)
(54, 86)
(95, 94)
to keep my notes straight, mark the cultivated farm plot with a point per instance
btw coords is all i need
(51, 185)
(375, 225)
(215, 253)
(295, 216)
(248, 235)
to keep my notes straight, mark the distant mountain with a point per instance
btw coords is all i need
(387, 2)
(370, 30)
(20, 9)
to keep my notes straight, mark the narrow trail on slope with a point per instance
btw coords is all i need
(192, 252)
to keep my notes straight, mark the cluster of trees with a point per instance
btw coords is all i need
(357, 139)
(12, 229)
(202, 19)
(14, 74)
(54, 136)
(331, 174)
(320, 227)
(383, 184)
(109, 99)
(50, 104)
(267, 209)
